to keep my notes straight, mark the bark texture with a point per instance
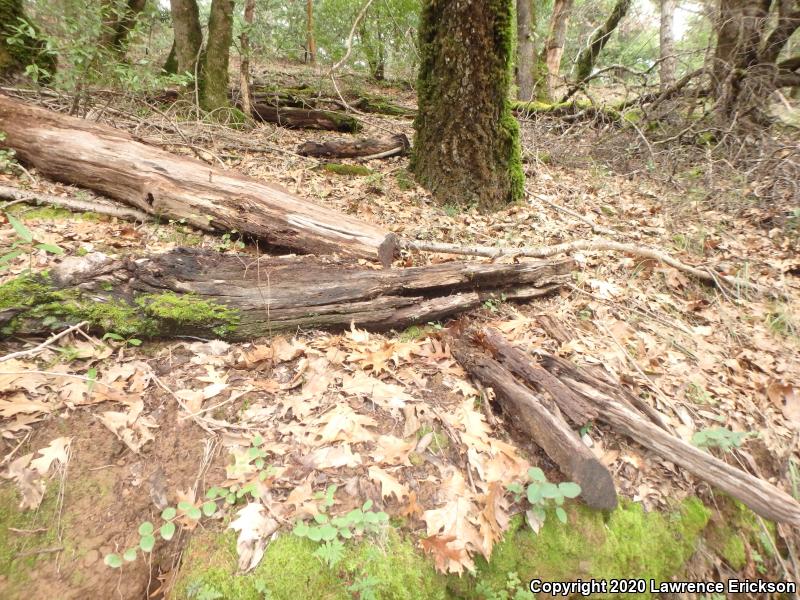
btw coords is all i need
(601, 36)
(348, 148)
(244, 50)
(526, 51)
(241, 297)
(666, 46)
(214, 65)
(467, 148)
(188, 35)
(109, 161)
(311, 41)
(550, 58)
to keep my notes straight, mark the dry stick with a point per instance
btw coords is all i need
(349, 44)
(597, 244)
(98, 205)
(44, 344)
(595, 228)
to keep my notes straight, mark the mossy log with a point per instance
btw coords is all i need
(304, 118)
(241, 297)
(359, 148)
(111, 162)
(573, 110)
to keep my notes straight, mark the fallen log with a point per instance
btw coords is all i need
(306, 118)
(110, 162)
(359, 148)
(241, 297)
(547, 429)
(762, 497)
(96, 205)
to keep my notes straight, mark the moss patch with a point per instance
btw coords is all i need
(351, 170)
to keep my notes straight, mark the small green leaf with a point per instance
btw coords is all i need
(23, 232)
(259, 463)
(367, 505)
(185, 506)
(209, 508)
(301, 529)
(194, 513)
(130, 554)
(569, 489)
(345, 533)
(135, 342)
(146, 528)
(561, 514)
(328, 533)
(51, 248)
(321, 518)
(315, 534)
(147, 542)
(230, 498)
(536, 474)
(113, 560)
(550, 490)
(169, 513)
(10, 256)
(167, 531)
(258, 440)
(113, 336)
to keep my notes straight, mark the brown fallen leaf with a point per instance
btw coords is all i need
(131, 427)
(389, 485)
(787, 398)
(255, 528)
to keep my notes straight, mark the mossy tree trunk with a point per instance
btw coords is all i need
(171, 64)
(15, 57)
(214, 65)
(188, 35)
(467, 149)
(526, 51)
(599, 39)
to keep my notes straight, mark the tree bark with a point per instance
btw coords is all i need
(301, 118)
(117, 24)
(526, 52)
(188, 35)
(241, 297)
(110, 162)
(467, 149)
(547, 430)
(550, 57)
(601, 36)
(311, 41)
(666, 46)
(348, 148)
(244, 68)
(14, 58)
(214, 61)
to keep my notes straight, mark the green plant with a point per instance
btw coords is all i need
(542, 494)
(514, 589)
(229, 243)
(365, 587)
(131, 341)
(493, 304)
(7, 160)
(698, 394)
(719, 437)
(24, 244)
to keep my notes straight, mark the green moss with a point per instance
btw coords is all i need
(189, 310)
(25, 290)
(405, 181)
(289, 570)
(352, 170)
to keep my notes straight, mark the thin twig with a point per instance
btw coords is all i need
(44, 344)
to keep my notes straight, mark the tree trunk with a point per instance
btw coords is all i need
(214, 61)
(241, 297)
(349, 148)
(549, 431)
(526, 52)
(599, 39)
(301, 118)
(244, 68)
(15, 58)
(666, 47)
(467, 149)
(550, 57)
(110, 162)
(118, 23)
(171, 64)
(188, 35)
(311, 41)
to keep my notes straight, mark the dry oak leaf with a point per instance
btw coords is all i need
(131, 427)
(449, 554)
(342, 423)
(254, 528)
(389, 485)
(284, 351)
(392, 450)
(787, 398)
(385, 395)
(302, 499)
(332, 457)
(17, 403)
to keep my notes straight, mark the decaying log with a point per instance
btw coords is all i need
(547, 429)
(109, 161)
(97, 205)
(305, 118)
(240, 297)
(359, 148)
(762, 497)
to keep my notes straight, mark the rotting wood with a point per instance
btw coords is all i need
(547, 429)
(110, 162)
(243, 297)
(358, 148)
(306, 118)
(762, 497)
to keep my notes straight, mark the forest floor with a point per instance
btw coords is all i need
(99, 436)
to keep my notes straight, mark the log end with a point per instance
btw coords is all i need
(389, 248)
(597, 485)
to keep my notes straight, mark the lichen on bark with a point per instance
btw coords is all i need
(467, 148)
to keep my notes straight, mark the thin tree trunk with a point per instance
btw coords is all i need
(526, 52)
(214, 61)
(550, 57)
(311, 41)
(188, 35)
(467, 149)
(601, 36)
(666, 46)
(244, 68)
(118, 23)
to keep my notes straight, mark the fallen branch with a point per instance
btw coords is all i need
(704, 274)
(306, 118)
(96, 205)
(359, 148)
(547, 429)
(44, 344)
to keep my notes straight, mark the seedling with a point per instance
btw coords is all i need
(542, 494)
